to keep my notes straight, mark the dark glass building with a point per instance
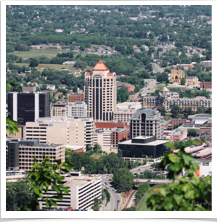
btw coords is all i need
(143, 146)
(28, 106)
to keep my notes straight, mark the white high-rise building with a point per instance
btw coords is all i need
(76, 109)
(100, 92)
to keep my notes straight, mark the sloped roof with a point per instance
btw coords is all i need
(165, 89)
(100, 66)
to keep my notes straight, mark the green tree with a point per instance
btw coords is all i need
(183, 81)
(201, 109)
(18, 195)
(189, 193)
(96, 204)
(11, 125)
(162, 111)
(97, 147)
(33, 62)
(123, 180)
(176, 110)
(192, 132)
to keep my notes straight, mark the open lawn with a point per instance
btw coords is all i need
(96, 156)
(159, 86)
(49, 53)
(52, 66)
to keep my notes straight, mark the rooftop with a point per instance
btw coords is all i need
(80, 181)
(100, 66)
(147, 111)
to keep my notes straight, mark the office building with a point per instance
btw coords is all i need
(82, 191)
(125, 111)
(58, 109)
(20, 153)
(100, 92)
(28, 106)
(61, 130)
(147, 122)
(142, 147)
(76, 109)
(108, 139)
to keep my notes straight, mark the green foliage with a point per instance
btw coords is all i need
(43, 176)
(170, 145)
(177, 125)
(107, 195)
(122, 94)
(162, 111)
(141, 191)
(96, 205)
(176, 110)
(163, 77)
(11, 125)
(192, 132)
(129, 209)
(122, 180)
(183, 81)
(33, 62)
(18, 195)
(186, 193)
(97, 148)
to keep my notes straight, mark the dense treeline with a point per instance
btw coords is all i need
(105, 164)
(113, 27)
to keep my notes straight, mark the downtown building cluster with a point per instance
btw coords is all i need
(135, 129)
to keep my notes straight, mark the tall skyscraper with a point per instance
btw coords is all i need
(28, 106)
(100, 92)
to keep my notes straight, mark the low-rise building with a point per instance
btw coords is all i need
(109, 138)
(192, 80)
(184, 102)
(129, 86)
(206, 64)
(82, 191)
(76, 97)
(143, 146)
(20, 153)
(178, 134)
(205, 85)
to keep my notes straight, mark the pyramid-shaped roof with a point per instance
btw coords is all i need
(100, 66)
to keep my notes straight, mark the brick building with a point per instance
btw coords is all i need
(76, 97)
(205, 85)
(173, 122)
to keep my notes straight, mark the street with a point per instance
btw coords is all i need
(114, 195)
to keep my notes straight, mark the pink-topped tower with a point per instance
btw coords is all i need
(100, 92)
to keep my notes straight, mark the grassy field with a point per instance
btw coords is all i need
(142, 205)
(49, 53)
(159, 86)
(96, 156)
(52, 66)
